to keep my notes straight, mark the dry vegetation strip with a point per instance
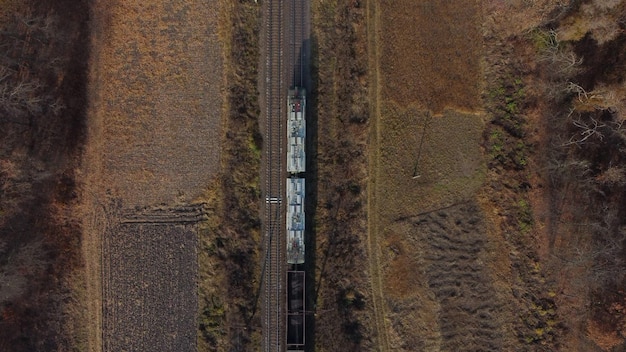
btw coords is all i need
(579, 55)
(375, 91)
(546, 182)
(342, 296)
(229, 273)
(42, 100)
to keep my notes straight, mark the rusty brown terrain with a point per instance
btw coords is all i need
(153, 146)
(472, 223)
(494, 160)
(468, 175)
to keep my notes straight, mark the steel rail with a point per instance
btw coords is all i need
(274, 111)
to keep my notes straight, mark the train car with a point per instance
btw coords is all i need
(295, 221)
(296, 130)
(296, 319)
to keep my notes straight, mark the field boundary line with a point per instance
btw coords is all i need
(373, 29)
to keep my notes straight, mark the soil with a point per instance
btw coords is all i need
(150, 276)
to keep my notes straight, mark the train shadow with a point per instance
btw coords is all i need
(300, 76)
(310, 79)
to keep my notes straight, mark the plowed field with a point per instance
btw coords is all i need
(150, 289)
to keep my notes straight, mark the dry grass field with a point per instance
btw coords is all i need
(476, 189)
(426, 232)
(156, 103)
(431, 54)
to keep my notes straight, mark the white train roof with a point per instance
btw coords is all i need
(295, 220)
(296, 134)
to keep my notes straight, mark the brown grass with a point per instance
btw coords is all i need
(157, 101)
(427, 162)
(431, 54)
(339, 111)
(154, 126)
(229, 273)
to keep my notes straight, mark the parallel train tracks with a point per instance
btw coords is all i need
(274, 184)
(281, 72)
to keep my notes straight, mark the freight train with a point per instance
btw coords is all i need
(295, 221)
(296, 131)
(296, 166)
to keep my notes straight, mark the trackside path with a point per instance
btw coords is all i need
(373, 28)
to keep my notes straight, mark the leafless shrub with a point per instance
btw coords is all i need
(57, 106)
(614, 176)
(598, 99)
(41, 28)
(594, 114)
(563, 61)
(21, 97)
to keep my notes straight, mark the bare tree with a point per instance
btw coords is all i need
(584, 114)
(19, 98)
(587, 130)
(562, 59)
(598, 99)
(612, 176)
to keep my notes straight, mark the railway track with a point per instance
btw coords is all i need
(286, 29)
(274, 179)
